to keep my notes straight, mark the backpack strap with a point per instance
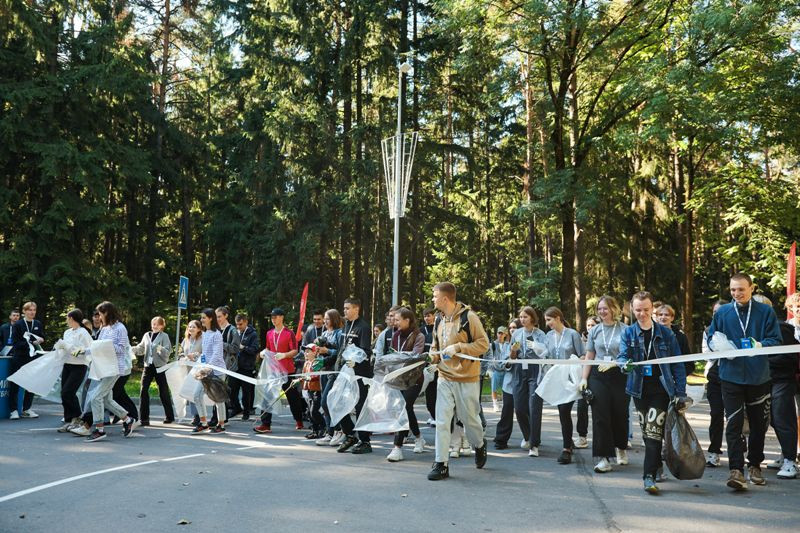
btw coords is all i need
(387, 340)
(464, 326)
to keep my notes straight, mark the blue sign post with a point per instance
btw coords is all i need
(183, 303)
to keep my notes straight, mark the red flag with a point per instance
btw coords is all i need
(791, 268)
(303, 299)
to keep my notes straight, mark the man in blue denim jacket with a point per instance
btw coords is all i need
(746, 380)
(652, 386)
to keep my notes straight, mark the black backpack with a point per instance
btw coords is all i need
(463, 325)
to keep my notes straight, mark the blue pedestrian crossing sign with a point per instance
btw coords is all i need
(183, 293)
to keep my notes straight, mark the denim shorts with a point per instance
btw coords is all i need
(497, 379)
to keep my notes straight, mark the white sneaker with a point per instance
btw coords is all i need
(395, 455)
(324, 441)
(337, 439)
(603, 465)
(64, 427)
(81, 431)
(581, 443)
(533, 452)
(495, 406)
(713, 460)
(466, 449)
(454, 453)
(14, 415)
(525, 445)
(30, 413)
(622, 457)
(431, 422)
(789, 470)
(419, 444)
(777, 464)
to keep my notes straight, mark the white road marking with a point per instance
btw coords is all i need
(182, 457)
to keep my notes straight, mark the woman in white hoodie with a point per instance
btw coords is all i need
(74, 343)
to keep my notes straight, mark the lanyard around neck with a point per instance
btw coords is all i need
(613, 332)
(747, 320)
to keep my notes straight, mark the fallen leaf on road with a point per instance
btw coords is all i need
(404, 495)
(183, 522)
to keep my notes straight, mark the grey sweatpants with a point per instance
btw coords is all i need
(104, 399)
(462, 398)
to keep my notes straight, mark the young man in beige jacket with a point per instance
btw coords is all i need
(457, 331)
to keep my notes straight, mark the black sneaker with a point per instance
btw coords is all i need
(96, 435)
(480, 455)
(127, 427)
(348, 443)
(246, 416)
(439, 471)
(361, 447)
(500, 445)
(218, 429)
(144, 423)
(313, 435)
(196, 420)
(199, 429)
(565, 458)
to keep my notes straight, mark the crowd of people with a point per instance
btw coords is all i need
(745, 394)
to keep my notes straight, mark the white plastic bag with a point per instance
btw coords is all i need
(176, 375)
(354, 354)
(191, 387)
(384, 410)
(41, 374)
(267, 395)
(720, 343)
(104, 360)
(428, 375)
(560, 384)
(343, 395)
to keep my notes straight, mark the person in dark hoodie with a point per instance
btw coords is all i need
(782, 370)
(357, 332)
(746, 380)
(246, 361)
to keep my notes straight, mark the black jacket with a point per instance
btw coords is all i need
(21, 346)
(683, 342)
(359, 333)
(247, 355)
(428, 332)
(783, 367)
(5, 335)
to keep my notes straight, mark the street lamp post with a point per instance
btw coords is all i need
(405, 68)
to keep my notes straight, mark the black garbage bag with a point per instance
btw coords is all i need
(395, 360)
(215, 388)
(685, 458)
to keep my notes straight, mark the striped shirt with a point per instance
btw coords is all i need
(118, 335)
(212, 350)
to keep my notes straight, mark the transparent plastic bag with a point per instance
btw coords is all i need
(176, 375)
(354, 354)
(394, 361)
(684, 455)
(428, 375)
(343, 395)
(384, 410)
(192, 386)
(560, 384)
(274, 376)
(41, 374)
(720, 343)
(103, 360)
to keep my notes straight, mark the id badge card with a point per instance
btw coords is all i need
(524, 366)
(647, 370)
(608, 358)
(745, 343)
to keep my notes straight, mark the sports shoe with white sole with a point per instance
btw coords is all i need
(454, 453)
(419, 444)
(395, 455)
(713, 460)
(622, 457)
(81, 431)
(788, 471)
(30, 413)
(582, 443)
(533, 452)
(324, 441)
(14, 415)
(602, 466)
(466, 449)
(338, 438)
(525, 445)
(777, 464)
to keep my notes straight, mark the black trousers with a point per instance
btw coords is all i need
(565, 417)
(18, 362)
(506, 424)
(150, 373)
(410, 395)
(430, 396)
(328, 382)
(248, 392)
(122, 398)
(652, 408)
(71, 379)
(583, 418)
(317, 420)
(295, 404)
(347, 423)
(717, 424)
(784, 417)
(755, 399)
(609, 412)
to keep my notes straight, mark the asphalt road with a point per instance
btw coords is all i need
(240, 481)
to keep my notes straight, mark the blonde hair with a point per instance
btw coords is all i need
(197, 325)
(668, 308)
(612, 304)
(792, 299)
(159, 320)
(28, 305)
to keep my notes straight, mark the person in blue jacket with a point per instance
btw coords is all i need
(745, 380)
(652, 386)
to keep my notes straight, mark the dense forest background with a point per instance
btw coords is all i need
(569, 148)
